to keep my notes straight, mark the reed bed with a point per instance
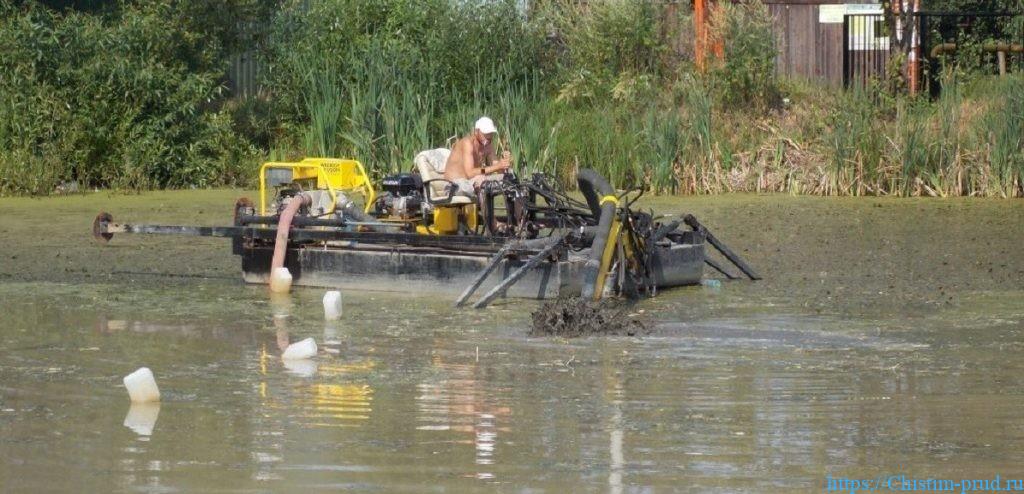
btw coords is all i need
(570, 87)
(670, 130)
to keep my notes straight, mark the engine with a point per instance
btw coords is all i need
(401, 196)
(320, 201)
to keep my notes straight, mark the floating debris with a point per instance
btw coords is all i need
(142, 386)
(332, 305)
(280, 280)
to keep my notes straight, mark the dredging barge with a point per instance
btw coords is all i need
(517, 238)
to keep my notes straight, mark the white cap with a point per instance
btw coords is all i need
(486, 126)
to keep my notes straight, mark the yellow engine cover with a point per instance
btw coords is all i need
(446, 220)
(330, 174)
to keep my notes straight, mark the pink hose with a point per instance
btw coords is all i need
(284, 225)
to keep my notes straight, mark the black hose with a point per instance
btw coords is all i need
(588, 181)
(601, 198)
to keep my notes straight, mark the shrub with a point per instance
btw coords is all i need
(608, 48)
(746, 73)
(119, 101)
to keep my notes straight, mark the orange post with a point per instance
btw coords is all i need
(700, 31)
(914, 57)
(701, 23)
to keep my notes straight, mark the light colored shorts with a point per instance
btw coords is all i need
(469, 186)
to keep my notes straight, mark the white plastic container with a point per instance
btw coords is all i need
(280, 280)
(141, 418)
(300, 350)
(142, 386)
(332, 305)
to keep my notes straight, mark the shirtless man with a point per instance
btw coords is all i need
(473, 159)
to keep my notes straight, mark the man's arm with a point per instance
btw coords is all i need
(470, 168)
(491, 157)
(499, 165)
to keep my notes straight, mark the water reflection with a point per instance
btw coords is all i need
(724, 404)
(331, 334)
(334, 405)
(458, 400)
(281, 309)
(300, 367)
(615, 439)
(141, 418)
(109, 326)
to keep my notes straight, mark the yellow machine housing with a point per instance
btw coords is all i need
(446, 219)
(329, 174)
(347, 176)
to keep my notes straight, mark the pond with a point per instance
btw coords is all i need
(885, 340)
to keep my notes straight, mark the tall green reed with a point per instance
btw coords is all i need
(1005, 126)
(664, 134)
(323, 94)
(946, 171)
(913, 148)
(856, 145)
(698, 139)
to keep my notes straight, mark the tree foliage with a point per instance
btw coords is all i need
(126, 100)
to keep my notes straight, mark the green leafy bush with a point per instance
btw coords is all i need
(125, 101)
(606, 48)
(131, 96)
(746, 72)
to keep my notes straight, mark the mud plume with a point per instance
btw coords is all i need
(575, 317)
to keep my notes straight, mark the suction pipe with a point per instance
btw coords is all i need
(284, 225)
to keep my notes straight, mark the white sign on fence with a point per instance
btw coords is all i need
(867, 32)
(833, 14)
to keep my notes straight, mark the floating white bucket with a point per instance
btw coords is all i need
(280, 280)
(142, 386)
(332, 305)
(300, 350)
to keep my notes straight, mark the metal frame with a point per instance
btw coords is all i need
(925, 21)
(476, 243)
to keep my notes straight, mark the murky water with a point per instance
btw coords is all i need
(761, 387)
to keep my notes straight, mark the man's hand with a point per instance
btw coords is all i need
(505, 162)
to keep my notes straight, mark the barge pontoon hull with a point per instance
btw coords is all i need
(399, 268)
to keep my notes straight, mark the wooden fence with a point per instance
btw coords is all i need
(807, 47)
